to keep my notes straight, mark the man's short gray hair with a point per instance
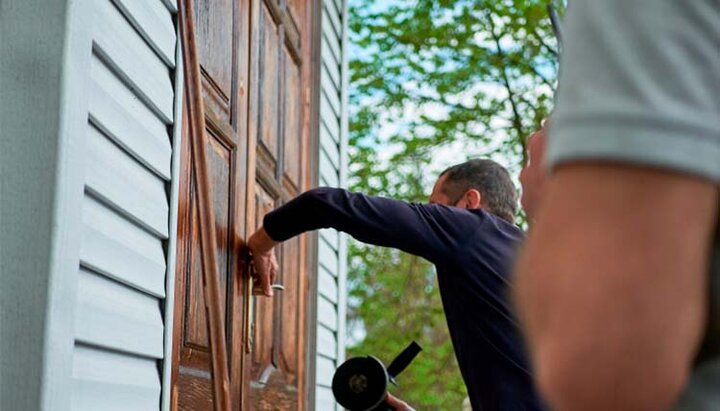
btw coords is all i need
(492, 180)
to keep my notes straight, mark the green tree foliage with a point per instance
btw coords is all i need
(433, 82)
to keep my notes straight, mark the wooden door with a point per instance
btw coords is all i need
(280, 121)
(222, 37)
(257, 86)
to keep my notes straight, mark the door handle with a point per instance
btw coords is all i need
(250, 292)
(249, 314)
(258, 291)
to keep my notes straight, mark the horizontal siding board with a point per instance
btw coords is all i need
(328, 111)
(132, 58)
(331, 139)
(330, 147)
(171, 5)
(327, 285)
(120, 119)
(104, 77)
(102, 253)
(331, 236)
(335, 6)
(154, 23)
(325, 370)
(108, 381)
(324, 399)
(332, 20)
(334, 105)
(331, 92)
(326, 342)
(327, 257)
(328, 120)
(327, 313)
(331, 179)
(115, 247)
(327, 239)
(330, 41)
(330, 67)
(330, 75)
(111, 315)
(328, 171)
(118, 179)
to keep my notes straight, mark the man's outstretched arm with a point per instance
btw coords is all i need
(423, 230)
(611, 287)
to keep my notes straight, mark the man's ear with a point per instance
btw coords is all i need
(473, 198)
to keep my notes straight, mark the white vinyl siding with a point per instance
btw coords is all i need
(126, 217)
(331, 302)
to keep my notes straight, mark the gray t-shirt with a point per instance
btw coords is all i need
(640, 83)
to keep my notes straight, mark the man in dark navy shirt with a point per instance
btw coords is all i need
(467, 231)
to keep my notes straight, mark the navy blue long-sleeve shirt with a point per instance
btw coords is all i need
(473, 253)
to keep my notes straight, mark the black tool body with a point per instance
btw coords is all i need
(361, 383)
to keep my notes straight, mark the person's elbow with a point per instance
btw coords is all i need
(599, 375)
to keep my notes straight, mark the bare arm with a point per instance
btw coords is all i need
(611, 285)
(397, 404)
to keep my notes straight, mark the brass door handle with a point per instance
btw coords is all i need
(258, 291)
(249, 314)
(250, 291)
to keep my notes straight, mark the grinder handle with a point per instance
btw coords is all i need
(403, 360)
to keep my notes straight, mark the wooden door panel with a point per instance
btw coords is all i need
(297, 10)
(280, 118)
(196, 393)
(215, 26)
(220, 41)
(269, 79)
(262, 307)
(290, 311)
(276, 373)
(219, 158)
(193, 372)
(191, 368)
(292, 105)
(196, 333)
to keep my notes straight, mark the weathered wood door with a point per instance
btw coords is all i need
(280, 120)
(222, 41)
(254, 57)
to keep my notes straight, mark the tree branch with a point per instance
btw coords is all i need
(516, 120)
(546, 46)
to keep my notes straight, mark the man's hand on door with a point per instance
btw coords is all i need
(264, 261)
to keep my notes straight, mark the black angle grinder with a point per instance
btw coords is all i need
(361, 383)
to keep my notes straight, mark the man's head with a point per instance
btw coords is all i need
(477, 184)
(533, 174)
